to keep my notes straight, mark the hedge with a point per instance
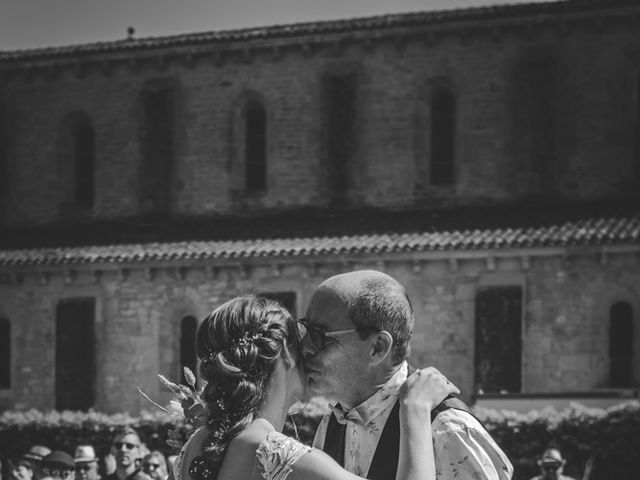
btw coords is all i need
(610, 437)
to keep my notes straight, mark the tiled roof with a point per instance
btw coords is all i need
(324, 27)
(594, 231)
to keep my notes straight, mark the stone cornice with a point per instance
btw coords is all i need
(487, 261)
(308, 39)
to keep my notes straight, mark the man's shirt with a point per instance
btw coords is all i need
(463, 448)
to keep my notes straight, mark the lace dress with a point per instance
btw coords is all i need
(276, 455)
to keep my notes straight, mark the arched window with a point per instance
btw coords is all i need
(159, 119)
(188, 327)
(78, 160)
(637, 132)
(255, 147)
(84, 162)
(5, 353)
(340, 105)
(621, 345)
(443, 123)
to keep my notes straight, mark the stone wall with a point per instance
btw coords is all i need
(588, 152)
(138, 310)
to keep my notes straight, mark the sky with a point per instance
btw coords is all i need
(43, 23)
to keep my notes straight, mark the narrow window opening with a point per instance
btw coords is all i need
(621, 345)
(341, 114)
(75, 367)
(84, 161)
(5, 353)
(158, 141)
(256, 148)
(443, 122)
(637, 133)
(498, 340)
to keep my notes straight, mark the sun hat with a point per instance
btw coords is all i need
(59, 459)
(84, 454)
(551, 456)
(37, 452)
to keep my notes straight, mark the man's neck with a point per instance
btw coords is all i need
(123, 472)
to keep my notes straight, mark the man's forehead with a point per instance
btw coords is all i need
(326, 308)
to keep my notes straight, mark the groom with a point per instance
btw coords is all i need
(359, 325)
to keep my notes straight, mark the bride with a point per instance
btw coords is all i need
(249, 357)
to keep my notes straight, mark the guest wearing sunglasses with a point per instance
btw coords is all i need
(58, 465)
(551, 464)
(155, 465)
(86, 463)
(127, 449)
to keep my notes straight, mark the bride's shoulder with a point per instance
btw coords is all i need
(277, 453)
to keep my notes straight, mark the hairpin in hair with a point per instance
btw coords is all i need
(246, 339)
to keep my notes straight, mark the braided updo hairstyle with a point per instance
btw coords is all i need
(238, 345)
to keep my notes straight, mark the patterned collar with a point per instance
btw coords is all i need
(376, 403)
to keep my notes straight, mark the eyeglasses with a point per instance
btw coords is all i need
(85, 467)
(151, 466)
(55, 473)
(319, 337)
(550, 468)
(127, 445)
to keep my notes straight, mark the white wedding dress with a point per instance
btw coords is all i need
(276, 455)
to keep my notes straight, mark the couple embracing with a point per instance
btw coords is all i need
(390, 422)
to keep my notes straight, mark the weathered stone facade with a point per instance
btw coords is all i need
(546, 110)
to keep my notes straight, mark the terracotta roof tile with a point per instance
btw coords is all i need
(594, 231)
(378, 22)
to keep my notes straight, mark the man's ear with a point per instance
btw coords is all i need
(381, 346)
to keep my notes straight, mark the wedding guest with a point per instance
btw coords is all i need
(126, 448)
(154, 464)
(35, 454)
(86, 463)
(22, 469)
(551, 464)
(58, 465)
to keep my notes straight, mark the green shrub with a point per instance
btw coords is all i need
(611, 437)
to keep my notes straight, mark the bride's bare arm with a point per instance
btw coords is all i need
(421, 392)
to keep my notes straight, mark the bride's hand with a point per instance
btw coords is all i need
(425, 389)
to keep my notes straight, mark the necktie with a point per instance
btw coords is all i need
(345, 416)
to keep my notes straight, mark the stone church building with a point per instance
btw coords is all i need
(487, 158)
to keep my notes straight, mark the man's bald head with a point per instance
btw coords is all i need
(374, 299)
